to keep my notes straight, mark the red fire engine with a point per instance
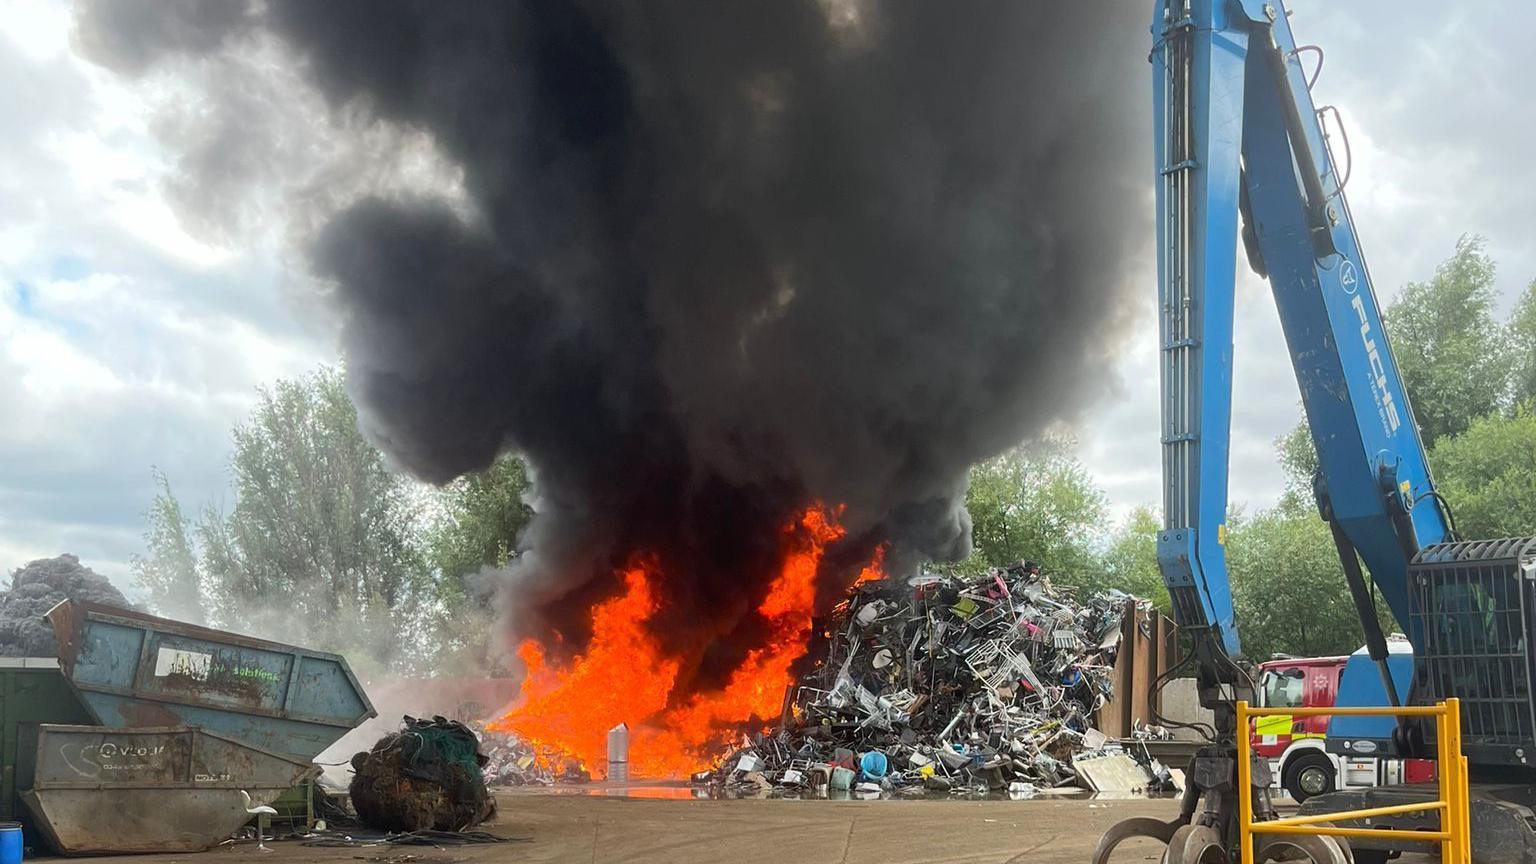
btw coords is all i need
(1299, 758)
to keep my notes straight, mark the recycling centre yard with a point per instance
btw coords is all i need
(847, 431)
(584, 828)
(646, 827)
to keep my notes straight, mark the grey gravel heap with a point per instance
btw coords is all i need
(38, 587)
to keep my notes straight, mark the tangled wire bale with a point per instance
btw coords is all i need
(425, 777)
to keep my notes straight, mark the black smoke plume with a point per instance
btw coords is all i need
(720, 259)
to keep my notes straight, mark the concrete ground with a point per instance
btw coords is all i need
(680, 830)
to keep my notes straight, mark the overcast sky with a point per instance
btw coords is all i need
(127, 343)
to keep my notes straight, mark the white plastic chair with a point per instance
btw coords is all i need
(262, 813)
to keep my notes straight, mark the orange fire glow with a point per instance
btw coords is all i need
(624, 676)
(875, 569)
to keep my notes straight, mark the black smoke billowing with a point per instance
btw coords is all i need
(721, 259)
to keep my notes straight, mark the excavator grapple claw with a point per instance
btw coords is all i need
(1196, 844)
(1308, 849)
(1140, 826)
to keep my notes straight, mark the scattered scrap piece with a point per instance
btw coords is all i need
(438, 839)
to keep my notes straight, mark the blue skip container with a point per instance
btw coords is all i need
(10, 843)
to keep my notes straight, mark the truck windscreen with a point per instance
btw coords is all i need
(1282, 689)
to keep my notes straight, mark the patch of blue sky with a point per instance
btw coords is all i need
(69, 268)
(23, 297)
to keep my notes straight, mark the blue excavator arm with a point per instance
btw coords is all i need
(1242, 160)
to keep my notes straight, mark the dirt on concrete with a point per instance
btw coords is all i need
(593, 829)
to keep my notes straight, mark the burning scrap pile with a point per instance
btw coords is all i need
(511, 761)
(427, 776)
(946, 683)
(658, 319)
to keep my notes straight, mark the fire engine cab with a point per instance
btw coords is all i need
(1312, 755)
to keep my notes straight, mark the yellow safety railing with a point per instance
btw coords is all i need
(1454, 834)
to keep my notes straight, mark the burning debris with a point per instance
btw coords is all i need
(950, 684)
(511, 761)
(427, 776)
(626, 675)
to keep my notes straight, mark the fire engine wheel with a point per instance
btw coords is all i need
(1308, 774)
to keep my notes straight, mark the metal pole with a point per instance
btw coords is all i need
(1244, 785)
(1460, 810)
(1446, 774)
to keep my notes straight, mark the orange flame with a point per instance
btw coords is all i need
(875, 569)
(624, 676)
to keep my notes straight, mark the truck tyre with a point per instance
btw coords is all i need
(1308, 774)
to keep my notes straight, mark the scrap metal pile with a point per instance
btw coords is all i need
(511, 761)
(969, 685)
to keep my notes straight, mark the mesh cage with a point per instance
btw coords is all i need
(1473, 603)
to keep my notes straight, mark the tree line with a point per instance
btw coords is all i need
(322, 543)
(325, 545)
(1471, 379)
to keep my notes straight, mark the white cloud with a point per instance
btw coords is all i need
(1440, 120)
(39, 29)
(127, 341)
(124, 341)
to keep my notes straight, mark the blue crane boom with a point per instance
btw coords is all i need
(1242, 159)
(1238, 140)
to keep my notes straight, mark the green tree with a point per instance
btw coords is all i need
(1036, 502)
(1449, 348)
(483, 515)
(1287, 584)
(1522, 332)
(1298, 458)
(1130, 562)
(169, 571)
(1488, 474)
(320, 546)
(1288, 588)
(480, 519)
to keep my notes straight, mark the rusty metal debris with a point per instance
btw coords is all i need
(511, 761)
(966, 685)
(426, 776)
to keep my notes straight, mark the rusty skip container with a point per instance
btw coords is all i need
(96, 790)
(32, 691)
(134, 670)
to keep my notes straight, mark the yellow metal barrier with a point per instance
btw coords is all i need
(1455, 833)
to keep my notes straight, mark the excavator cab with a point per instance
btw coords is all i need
(1475, 602)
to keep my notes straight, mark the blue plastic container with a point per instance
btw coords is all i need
(10, 843)
(874, 764)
